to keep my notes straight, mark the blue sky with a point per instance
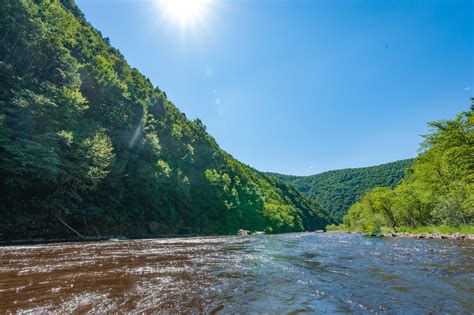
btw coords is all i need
(301, 87)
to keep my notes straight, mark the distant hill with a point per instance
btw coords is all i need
(337, 190)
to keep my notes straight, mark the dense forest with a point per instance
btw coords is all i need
(437, 190)
(88, 146)
(337, 190)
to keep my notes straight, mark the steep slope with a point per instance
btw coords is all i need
(337, 190)
(87, 143)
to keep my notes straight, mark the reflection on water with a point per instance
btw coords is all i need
(306, 272)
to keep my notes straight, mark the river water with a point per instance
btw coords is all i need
(291, 273)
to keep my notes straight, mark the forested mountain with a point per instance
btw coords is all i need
(437, 190)
(337, 190)
(88, 143)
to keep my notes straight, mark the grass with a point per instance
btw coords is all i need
(443, 229)
(338, 228)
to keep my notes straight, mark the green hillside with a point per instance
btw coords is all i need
(337, 190)
(87, 143)
(438, 189)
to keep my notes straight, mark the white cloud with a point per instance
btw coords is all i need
(467, 88)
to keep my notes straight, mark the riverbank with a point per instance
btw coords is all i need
(465, 232)
(433, 235)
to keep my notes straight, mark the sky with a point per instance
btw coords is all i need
(301, 87)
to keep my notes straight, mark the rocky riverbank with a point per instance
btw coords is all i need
(434, 235)
(428, 235)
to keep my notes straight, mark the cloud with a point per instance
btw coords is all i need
(467, 88)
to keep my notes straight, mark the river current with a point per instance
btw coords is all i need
(290, 273)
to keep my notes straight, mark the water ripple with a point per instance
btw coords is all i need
(292, 273)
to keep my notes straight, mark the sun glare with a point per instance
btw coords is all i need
(184, 12)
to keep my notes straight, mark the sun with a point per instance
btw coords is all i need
(184, 12)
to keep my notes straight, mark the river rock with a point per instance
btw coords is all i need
(242, 232)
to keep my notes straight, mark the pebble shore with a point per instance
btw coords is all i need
(454, 236)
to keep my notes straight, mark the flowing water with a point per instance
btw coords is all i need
(292, 273)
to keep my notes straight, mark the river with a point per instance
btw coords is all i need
(289, 273)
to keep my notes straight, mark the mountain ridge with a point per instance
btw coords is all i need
(326, 187)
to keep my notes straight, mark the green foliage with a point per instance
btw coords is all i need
(88, 139)
(372, 212)
(437, 190)
(96, 155)
(338, 228)
(337, 190)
